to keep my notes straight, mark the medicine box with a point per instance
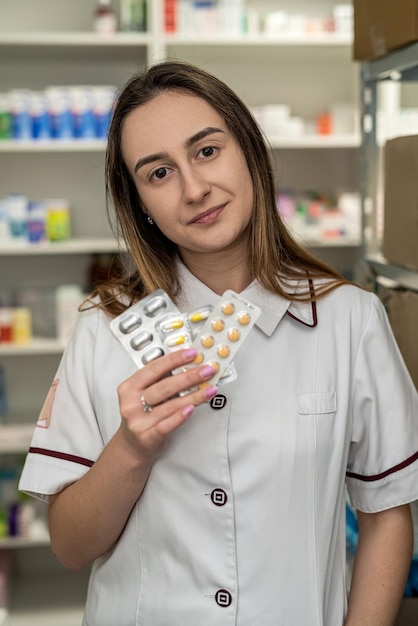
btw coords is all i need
(402, 309)
(400, 235)
(381, 26)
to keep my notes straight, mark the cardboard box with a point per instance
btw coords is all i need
(383, 25)
(402, 309)
(408, 614)
(400, 234)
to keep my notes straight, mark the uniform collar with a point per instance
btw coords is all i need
(195, 294)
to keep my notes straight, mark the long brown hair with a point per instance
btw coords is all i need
(275, 258)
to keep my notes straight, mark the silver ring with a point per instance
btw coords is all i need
(147, 408)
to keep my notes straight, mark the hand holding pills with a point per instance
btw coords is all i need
(151, 403)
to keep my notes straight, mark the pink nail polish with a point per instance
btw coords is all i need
(190, 353)
(207, 371)
(210, 391)
(188, 410)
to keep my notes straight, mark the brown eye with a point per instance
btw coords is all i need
(160, 173)
(207, 151)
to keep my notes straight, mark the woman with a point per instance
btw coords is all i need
(225, 505)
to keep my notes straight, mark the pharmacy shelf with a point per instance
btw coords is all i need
(75, 39)
(36, 346)
(72, 246)
(402, 276)
(16, 543)
(329, 242)
(15, 438)
(99, 145)
(53, 145)
(291, 39)
(315, 141)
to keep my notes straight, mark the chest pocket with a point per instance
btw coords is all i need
(318, 403)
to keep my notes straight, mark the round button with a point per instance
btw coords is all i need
(218, 402)
(219, 497)
(223, 597)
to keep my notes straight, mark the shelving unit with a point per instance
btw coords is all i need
(44, 43)
(399, 66)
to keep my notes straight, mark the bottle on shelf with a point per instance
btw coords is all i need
(133, 15)
(104, 18)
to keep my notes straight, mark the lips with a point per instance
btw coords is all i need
(208, 216)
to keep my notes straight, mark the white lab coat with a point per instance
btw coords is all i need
(242, 520)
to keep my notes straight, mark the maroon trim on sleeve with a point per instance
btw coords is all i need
(62, 455)
(388, 472)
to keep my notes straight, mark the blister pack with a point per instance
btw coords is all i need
(151, 327)
(223, 333)
(154, 326)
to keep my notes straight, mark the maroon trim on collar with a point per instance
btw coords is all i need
(314, 311)
(388, 472)
(62, 455)
(314, 316)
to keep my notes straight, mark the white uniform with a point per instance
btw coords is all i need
(242, 520)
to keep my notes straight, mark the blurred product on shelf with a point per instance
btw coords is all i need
(61, 113)
(22, 325)
(104, 18)
(19, 516)
(15, 325)
(233, 18)
(133, 15)
(315, 217)
(26, 221)
(277, 120)
(67, 300)
(6, 324)
(57, 219)
(41, 303)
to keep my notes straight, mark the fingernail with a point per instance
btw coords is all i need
(207, 371)
(210, 392)
(188, 410)
(190, 353)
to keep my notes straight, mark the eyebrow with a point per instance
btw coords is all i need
(201, 134)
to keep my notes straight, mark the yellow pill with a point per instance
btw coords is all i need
(227, 308)
(233, 334)
(173, 324)
(223, 351)
(177, 340)
(207, 341)
(199, 358)
(215, 366)
(199, 316)
(244, 318)
(218, 325)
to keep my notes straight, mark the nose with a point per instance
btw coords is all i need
(195, 186)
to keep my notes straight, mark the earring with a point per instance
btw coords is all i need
(150, 220)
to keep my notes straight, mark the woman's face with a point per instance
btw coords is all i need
(190, 173)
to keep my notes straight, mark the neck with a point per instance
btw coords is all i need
(219, 271)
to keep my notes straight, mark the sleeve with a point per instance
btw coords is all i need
(67, 438)
(383, 456)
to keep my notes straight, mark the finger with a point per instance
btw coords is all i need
(163, 366)
(187, 380)
(168, 416)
